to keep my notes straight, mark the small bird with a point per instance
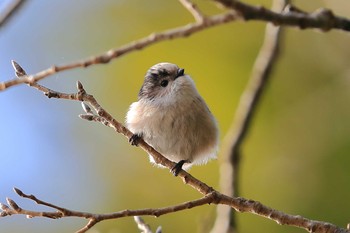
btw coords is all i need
(173, 118)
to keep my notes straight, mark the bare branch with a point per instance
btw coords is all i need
(323, 19)
(106, 57)
(239, 204)
(9, 10)
(61, 212)
(38, 201)
(229, 171)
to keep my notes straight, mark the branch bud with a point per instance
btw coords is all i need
(80, 86)
(4, 207)
(86, 108)
(19, 71)
(87, 117)
(13, 204)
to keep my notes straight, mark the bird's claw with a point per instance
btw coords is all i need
(135, 139)
(178, 167)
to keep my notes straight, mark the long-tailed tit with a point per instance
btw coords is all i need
(173, 118)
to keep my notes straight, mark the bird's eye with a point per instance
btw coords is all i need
(164, 83)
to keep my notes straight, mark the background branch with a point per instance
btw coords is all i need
(250, 98)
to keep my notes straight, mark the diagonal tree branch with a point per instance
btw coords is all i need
(108, 120)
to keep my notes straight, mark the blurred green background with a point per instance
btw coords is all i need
(296, 157)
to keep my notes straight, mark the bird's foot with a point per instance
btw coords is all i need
(135, 139)
(178, 167)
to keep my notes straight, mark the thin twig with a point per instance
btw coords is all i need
(9, 10)
(229, 168)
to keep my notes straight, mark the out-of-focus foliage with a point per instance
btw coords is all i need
(295, 158)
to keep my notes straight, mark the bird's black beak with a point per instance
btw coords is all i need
(180, 72)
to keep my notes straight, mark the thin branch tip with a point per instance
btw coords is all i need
(18, 191)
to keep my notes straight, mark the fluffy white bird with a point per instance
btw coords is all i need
(173, 118)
